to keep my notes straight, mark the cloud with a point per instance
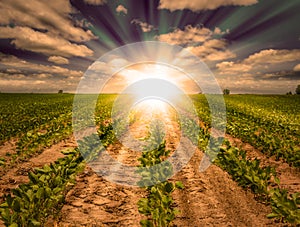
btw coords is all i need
(51, 16)
(281, 75)
(229, 67)
(197, 5)
(36, 83)
(121, 9)
(11, 62)
(95, 2)
(17, 75)
(297, 68)
(212, 50)
(189, 35)
(262, 61)
(200, 41)
(261, 72)
(27, 39)
(143, 25)
(272, 56)
(248, 84)
(58, 60)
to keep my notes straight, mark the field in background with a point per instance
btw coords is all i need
(261, 153)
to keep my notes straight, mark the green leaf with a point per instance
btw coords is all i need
(179, 185)
(30, 194)
(9, 200)
(272, 215)
(33, 177)
(146, 223)
(3, 205)
(35, 222)
(68, 151)
(169, 187)
(16, 205)
(40, 193)
(277, 180)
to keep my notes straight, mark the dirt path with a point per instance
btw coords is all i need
(210, 198)
(97, 202)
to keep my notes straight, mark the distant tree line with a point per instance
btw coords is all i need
(226, 91)
(298, 90)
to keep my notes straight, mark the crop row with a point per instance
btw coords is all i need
(36, 140)
(262, 181)
(158, 205)
(32, 203)
(20, 113)
(270, 124)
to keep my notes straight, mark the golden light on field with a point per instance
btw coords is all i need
(152, 106)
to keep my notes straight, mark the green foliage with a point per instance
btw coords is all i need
(285, 207)
(248, 173)
(158, 205)
(226, 91)
(269, 123)
(21, 113)
(298, 90)
(262, 181)
(32, 203)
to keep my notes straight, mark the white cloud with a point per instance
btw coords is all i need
(197, 5)
(35, 83)
(27, 39)
(143, 25)
(58, 60)
(258, 72)
(212, 50)
(200, 41)
(121, 9)
(189, 35)
(52, 16)
(229, 67)
(17, 75)
(272, 56)
(25, 67)
(261, 61)
(297, 68)
(95, 2)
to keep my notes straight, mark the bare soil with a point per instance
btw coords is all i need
(210, 198)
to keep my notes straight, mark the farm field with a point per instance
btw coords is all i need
(254, 181)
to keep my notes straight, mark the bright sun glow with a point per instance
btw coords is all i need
(153, 81)
(151, 70)
(156, 88)
(152, 106)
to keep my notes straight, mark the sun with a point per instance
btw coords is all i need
(153, 81)
(155, 88)
(151, 70)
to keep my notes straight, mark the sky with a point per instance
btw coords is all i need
(250, 46)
